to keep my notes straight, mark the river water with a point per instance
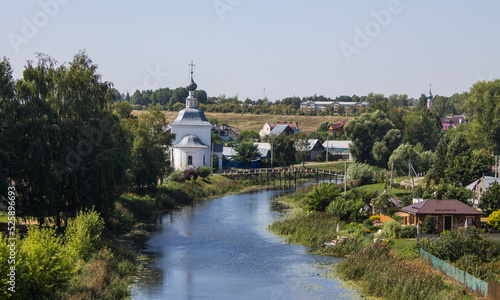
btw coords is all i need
(222, 249)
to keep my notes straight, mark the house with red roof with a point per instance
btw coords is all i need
(449, 214)
(268, 127)
(452, 122)
(336, 128)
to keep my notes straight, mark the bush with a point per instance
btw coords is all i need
(360, 171)
(494, 220)
(43, 264)
(391, 228)
(188, 173)
(83, 233)
(375, 217)
(408, 232)
(429, 225)
(204, 172)
(368, 223)
(321, 196)
(176, 176)
(343, 209)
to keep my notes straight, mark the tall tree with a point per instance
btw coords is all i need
(246, 152)
(484, 102)
(301, 143)
(283, 149)
(149, 156)
(67, 151)
(365, 131)
(422, 126)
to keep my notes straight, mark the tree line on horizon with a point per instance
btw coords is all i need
(174, 100)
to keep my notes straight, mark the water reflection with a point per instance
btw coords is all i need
(221, 249)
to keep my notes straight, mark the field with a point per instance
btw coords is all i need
(255, 122)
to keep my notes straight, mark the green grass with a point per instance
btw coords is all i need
(3, 216)
(405, 248)
(379, 187)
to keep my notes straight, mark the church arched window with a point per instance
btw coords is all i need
(190, 160)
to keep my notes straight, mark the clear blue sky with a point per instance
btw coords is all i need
(287, 47)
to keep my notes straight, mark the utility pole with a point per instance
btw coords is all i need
(392, 170)
(327, 148)
(211, 159)
(345, 178)
(272, 155)
(409, 173)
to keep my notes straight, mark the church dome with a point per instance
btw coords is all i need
(192, 85)
(190, 141)
(191, 116)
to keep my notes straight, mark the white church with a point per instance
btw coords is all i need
(192, 147)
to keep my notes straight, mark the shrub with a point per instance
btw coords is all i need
(188, 173)
(43, 264)
(321, 195)
(375, 217)
(83, 233)
(343, 209)
(408, 232)
(204, 172)
(368, 223)
(429, 225)
(176, 176)
(494, 219)
(360, 171)
(391, 228)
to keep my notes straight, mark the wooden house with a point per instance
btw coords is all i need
(449, 214)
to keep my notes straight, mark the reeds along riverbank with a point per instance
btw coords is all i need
(372, 265)
(381, 274)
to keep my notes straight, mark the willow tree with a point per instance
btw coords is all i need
(66, 150)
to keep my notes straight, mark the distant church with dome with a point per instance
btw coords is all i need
(192, 147)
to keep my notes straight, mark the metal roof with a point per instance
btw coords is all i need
(191, 116)
(337, 144)
(488, 181)
(190, 141)
(279, 129)
(441, 207)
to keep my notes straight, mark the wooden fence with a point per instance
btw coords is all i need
(493, 290)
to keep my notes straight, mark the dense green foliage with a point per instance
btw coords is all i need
(360, 172)
(321, 196)
(457, 162)
(283, 149)
(429, 225)
(365, 131)
(51, 266)
(490, 201)
(470, 251)
(61, 145)
(246, 152)
(494, 220)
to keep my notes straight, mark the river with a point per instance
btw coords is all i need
(222, 249)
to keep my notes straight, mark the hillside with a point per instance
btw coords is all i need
(255, 122)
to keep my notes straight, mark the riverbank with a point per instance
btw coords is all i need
(379, 269)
